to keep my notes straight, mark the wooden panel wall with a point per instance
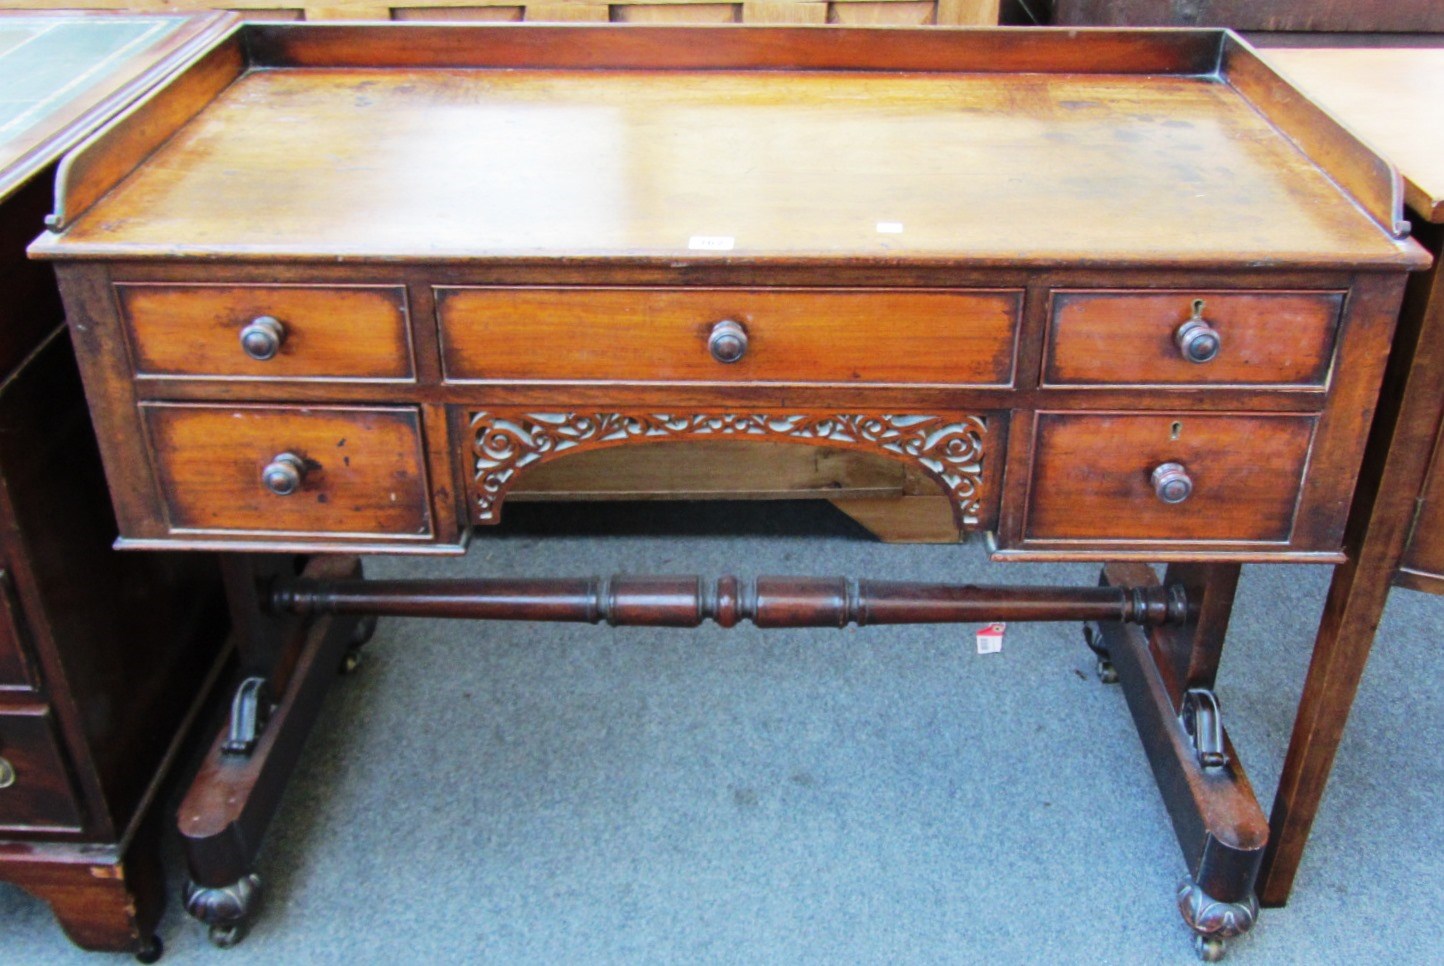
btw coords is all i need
(899, 12)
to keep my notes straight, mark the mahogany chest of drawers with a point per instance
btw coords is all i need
(104, 657)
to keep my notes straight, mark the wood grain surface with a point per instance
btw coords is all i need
(960, 12)
(363, 469)
(1112, 338)
(42, 797)
(1392, 97)
(346, 332)
(731, 165)
(661, 335)
(1379, 16)
(1091, 477)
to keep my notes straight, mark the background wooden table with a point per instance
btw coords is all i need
(1396, 530)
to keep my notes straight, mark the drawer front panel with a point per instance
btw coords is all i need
(345, 332)
(1096, 476)
(352, 471)
(1122, 338)
(16, 669)
(38, 792)
(791, 336)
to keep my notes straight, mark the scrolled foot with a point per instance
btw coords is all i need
(227, 910)
(1213, 921)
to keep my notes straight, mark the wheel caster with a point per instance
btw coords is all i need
(1093, 637)
(363, 631)
(151, 952)
(365, 628)
(227, 935)
(1210, 949)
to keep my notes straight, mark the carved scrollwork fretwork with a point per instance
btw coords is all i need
(947, 448)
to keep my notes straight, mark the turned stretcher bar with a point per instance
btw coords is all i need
(687, 601)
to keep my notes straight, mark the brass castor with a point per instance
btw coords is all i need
(350, 661)
(1210, 949)
(365, 629)
(151, 952)
(1107, 673)
(227, 910)
(224, 937)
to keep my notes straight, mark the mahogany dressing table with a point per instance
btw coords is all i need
(1123, 296)
(104, 657)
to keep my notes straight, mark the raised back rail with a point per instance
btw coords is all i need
(107, 158)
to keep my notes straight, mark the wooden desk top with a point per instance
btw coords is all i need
(62, 74)
(301, 160)
(1394, 98)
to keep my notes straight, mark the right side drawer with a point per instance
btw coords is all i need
(35, 789)
(1099, 478)
(1131, 338)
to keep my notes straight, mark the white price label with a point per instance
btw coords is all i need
(889, 228)
(990, 638)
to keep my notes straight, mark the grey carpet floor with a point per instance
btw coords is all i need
(516, 793)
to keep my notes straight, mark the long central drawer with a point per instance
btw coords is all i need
(953, 338)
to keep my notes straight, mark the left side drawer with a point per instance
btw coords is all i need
(350, 471)
(354, 332)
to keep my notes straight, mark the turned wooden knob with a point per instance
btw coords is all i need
(728, 341)
(283, 475)
(262, 337)
(1172, 483)
(7, 773)
(1197, 340)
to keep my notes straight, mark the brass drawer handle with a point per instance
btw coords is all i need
(1197, 340)
(262, 337)
(283, 475)
(728, 341)
(1172, 483)
(7, 773)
